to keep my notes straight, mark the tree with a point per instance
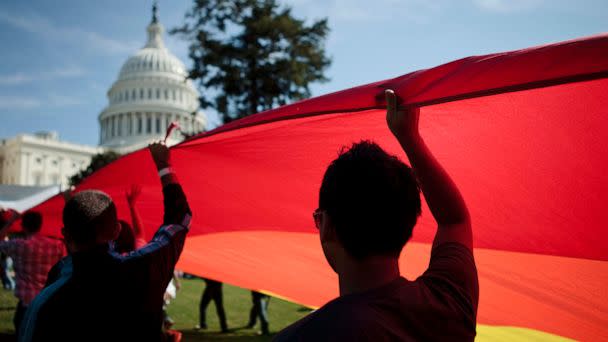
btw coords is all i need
(97, 162)
(252, 55)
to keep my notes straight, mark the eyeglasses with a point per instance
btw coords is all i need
(316, 215)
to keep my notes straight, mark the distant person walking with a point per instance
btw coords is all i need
(212, 292)
(259, 309)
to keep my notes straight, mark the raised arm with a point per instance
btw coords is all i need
(441, 194)
(174, 199)
(161, 254)
(138, 225)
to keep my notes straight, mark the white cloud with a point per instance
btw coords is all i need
(416, 11)
(8, 102)
(507, 6)
(21, 77)
(19, 102)
(63, 100)
(41, 26)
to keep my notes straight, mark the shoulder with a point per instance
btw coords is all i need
(339, 320)
(452, 273)
(451, 260)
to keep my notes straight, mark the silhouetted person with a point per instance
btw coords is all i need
(101, 295)
(33, 256)
(369, 202)
(212, 292)
(259, 309)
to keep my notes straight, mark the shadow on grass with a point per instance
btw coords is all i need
(6, 337)
(234, 335)
(194, 336)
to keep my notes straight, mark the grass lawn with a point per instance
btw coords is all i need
(184, 311)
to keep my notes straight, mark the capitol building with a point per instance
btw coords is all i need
(152, 90)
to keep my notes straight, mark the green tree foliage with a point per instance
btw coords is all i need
(97, 162)
(252, 55)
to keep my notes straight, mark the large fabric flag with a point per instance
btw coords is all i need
(523, 133)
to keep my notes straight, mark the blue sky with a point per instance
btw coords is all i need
(58, 58)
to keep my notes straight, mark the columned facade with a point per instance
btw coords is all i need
(152, 91)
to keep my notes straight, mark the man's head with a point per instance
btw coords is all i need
(369, 203)
(89, 218)
(31, 222)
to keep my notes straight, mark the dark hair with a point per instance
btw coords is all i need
(125, 242)
(31, 222)
(372, 199)
(89, 217)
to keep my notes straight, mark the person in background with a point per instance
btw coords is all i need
(138, 228)
(105, 296)
(33, 256)
(369, 203)
(212, 292)
(259, 309)
(6, 263)
(7, 217)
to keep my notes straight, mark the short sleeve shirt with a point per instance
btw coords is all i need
(441, 305)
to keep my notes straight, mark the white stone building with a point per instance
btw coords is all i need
(42, 159)
(152, 91)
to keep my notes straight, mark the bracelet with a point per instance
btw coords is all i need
(165, 171)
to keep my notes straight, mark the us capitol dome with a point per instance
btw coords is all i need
(152, 91)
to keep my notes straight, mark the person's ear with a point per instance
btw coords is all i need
(67, 240)
(327, 230)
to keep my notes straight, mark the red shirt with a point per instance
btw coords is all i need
(32, 257)
(441, 305)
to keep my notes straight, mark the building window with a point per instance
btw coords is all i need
(55, 162)
(38, 160)
(133, 94)
(149, 124)
(157, 124)
(113, 126)
(127, 95)
(139, 124)
(173, 94)
(119, 125)
(129, 124)
(141, 93)
(158, 93)
(166, 94)
(149, 93)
